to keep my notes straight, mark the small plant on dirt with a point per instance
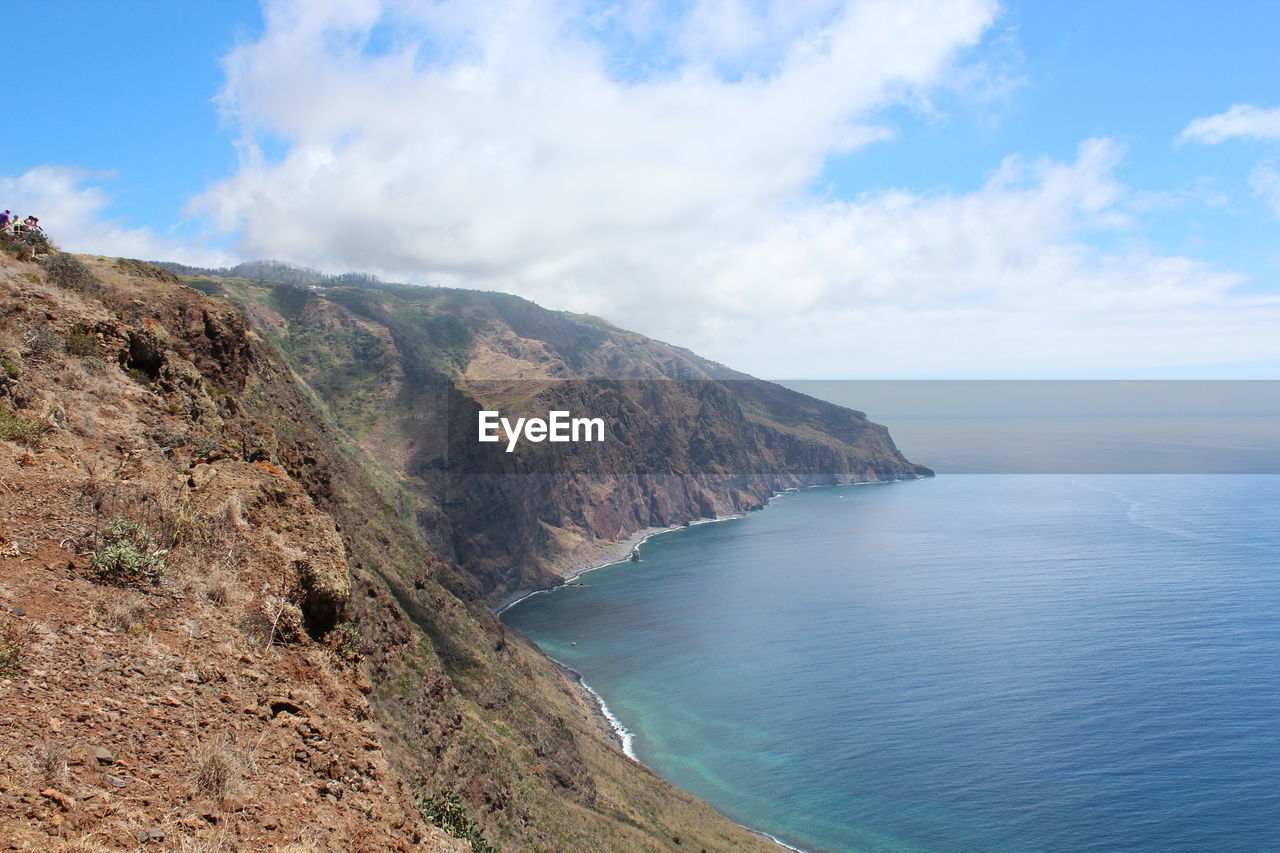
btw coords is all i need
(446, 811)
(345, 642)
(218, 589)
(50, 763)
(178, 523)
(81, 341)
(93, 364)
(217, 766)
(206, 446)
(9, 367)
(25, 431)
(15, 644)
(42, 344)
(126, 556)
(122, 611)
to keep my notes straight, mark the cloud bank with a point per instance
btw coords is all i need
(655, 165)
(73, 203)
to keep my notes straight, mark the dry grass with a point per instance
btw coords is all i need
(16, 640)
(219, 588)
(122, 610)
(299, 847)
(219, 765)
(49, 763)
(218, 844)
(80, 846)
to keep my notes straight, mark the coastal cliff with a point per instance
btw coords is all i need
(224, 626)
(404, 371)
(249, 552)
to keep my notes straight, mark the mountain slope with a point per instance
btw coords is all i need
(404, 371)
(224, 625)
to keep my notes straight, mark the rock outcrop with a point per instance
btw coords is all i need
(404, 371)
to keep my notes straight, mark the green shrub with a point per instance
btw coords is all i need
(81, 341)
(67, 271)
(126, 556)
(36, 241)
(446, 811)
(9, 367)
(345, 641)
(25, 431)
(18, 250)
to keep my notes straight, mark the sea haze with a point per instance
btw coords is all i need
(973, 662)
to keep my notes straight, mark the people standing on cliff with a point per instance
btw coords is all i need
(5, 218)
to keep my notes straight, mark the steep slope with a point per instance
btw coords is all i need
(404, 370)
(222, 626)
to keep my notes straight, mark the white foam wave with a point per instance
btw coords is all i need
(624, 734)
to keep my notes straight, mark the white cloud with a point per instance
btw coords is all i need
(1264, 180)
(1242, 121)
(999, 281)
(494, 136)
(72, 202)
(656, 170)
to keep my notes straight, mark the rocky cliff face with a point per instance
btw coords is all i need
(404, 371)
(226, 625)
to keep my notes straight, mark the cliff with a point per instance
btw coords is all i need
(233, 614)
(404, 370)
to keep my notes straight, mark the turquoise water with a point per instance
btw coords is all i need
(1038, 663)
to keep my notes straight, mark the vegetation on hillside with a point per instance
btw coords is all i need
(310, 645)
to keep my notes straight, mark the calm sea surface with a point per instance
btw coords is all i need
(1015, 663)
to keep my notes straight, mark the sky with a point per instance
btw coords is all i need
(811, 189)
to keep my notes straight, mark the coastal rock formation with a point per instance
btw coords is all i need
(226, 625)
(405, 371)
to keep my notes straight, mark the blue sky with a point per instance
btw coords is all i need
(127, 88)
(811, 189)
(1136, 71)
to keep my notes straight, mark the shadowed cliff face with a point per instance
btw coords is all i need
(405, 370)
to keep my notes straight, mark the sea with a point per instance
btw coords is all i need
(972, 662)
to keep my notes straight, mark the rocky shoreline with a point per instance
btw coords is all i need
(609, 554)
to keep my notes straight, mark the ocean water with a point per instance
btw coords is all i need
(994, 663)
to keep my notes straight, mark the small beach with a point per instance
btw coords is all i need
(605, 554)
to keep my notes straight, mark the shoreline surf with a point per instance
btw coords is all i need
(625, 738)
